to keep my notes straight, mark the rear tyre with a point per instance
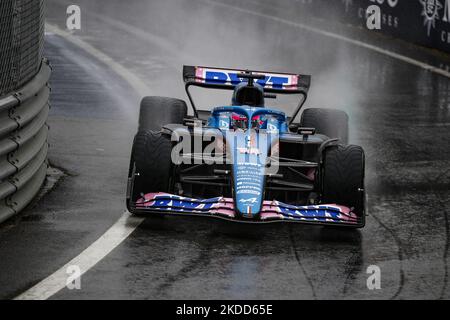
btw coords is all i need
(343, 177)
(330, 122)
(155, 112)
(151, 165)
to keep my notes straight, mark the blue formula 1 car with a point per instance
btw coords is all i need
(246, 162)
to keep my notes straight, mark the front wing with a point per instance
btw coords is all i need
(272, 211)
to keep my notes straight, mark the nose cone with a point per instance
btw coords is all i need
(249, 153)
(249, 187)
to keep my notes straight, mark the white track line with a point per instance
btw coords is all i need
(123, 227)
(385, 52)
(85, 260)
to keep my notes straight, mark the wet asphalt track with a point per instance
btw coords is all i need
(399, 113)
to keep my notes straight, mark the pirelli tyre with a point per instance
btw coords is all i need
(343, 177)
(155, 112)
(150, 166)
(330, 122)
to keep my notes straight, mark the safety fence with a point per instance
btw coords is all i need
(24, 107)
(21, 42)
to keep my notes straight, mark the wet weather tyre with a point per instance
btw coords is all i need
(155, 112)
(330, 122)
(343, 177)
(152, 161)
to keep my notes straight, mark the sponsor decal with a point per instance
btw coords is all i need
(250, 146)
(252, 151)
(251, 200)
(231, 77)
(272, 126)
(430, 13)
(224, 123)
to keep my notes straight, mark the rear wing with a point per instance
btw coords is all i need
(228, 79)
(220, 78)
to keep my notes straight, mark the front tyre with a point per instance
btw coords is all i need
(343, 177)
(150, 166)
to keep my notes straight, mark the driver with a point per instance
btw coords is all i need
(240, 122)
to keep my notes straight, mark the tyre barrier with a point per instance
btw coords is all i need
(23, 143)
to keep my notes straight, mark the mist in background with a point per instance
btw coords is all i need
(156, 38)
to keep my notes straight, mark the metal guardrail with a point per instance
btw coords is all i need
(23, 143)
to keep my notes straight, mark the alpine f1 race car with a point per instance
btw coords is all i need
(246, 162)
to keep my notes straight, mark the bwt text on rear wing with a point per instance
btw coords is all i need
(228, 79)
(221, 78)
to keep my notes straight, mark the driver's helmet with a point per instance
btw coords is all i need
(240, 122)
(252, 96)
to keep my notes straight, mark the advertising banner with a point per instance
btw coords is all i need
(423, 22)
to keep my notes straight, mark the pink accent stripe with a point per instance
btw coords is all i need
(270, 209)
